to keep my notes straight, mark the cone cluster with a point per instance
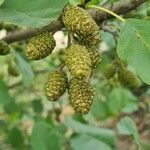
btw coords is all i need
(80, 58)
(118, 69)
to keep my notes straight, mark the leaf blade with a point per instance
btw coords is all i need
(31, 13)
(87, 142)
(105, 135)
(134, 46)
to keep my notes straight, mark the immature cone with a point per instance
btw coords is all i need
(92, 40)
(81, 95)
(78, 61)
(4, 48)
(56, 85)
(8, 27)
(40, 46)
(128, 78)
(109, 71)
(12, 69)
(95, 57)
(148, 12)
(78, 21)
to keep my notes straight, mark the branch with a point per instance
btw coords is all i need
(109, 29)
(30, 32)
(120, 7)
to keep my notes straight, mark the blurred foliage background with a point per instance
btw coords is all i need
(119, 117)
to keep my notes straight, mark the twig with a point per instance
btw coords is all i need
(119, 7)
(69, 40)
(61, 66)
(109, 29)
(28, 33)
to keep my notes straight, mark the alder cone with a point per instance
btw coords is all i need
(90, 41)
(95, 57)
(109, 71)
(13, 70)
(4, 48)
(40, 46)
(128, 78)
(56, 85)
(78, 61)
(78, 21)
(81, 95)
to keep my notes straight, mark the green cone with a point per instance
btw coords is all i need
(128, 78)
(109, 71)
(40, 46)
(78, 21)
(56, 85)
(95, 57)
(4, 48)
(78, 61)
(81, 95)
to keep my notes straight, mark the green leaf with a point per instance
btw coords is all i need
(74, 2)
(1, 2)
(91, 2)
(31, 13)
(37, 106)
(15, 138)
(11, 108)
(5, 97)
(99, 109)
(3, 125)
(105, 135)
(86, 142)
(25, 69)
(112, 1)
(146, 146)
(134, 46)
(122, 100)
(126, 126)
(39, 137)
(43, 139)
(94, 2)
